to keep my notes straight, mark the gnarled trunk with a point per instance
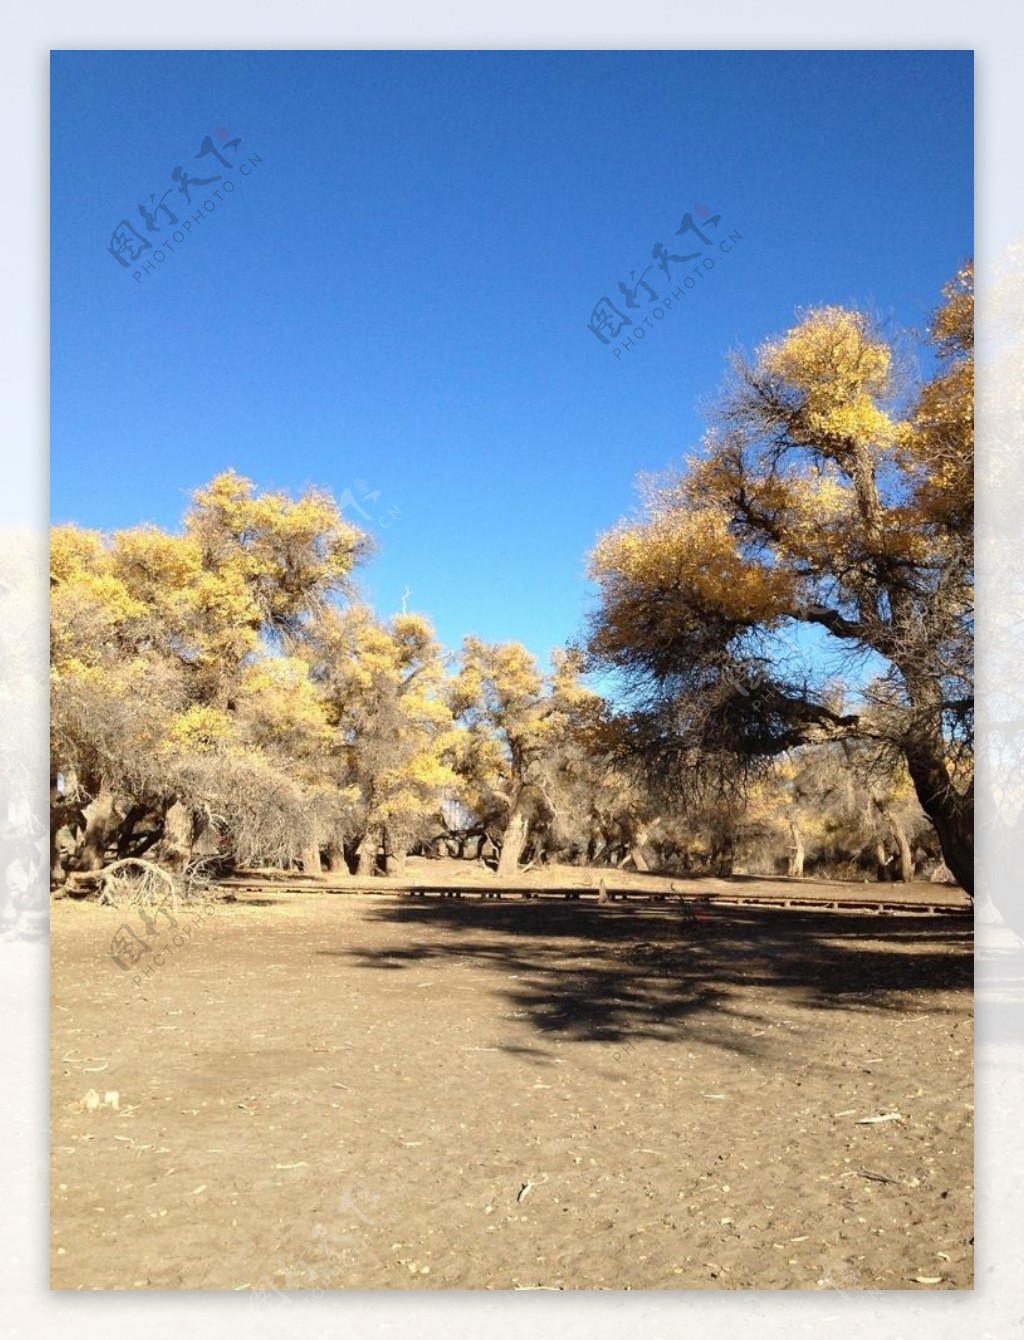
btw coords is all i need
(174, 848)
(906, 856)
(369, 850)
(881, 863)
(796, 853)
(336, 862)
(636, 854)
(513, 843)
(951, 813)
(723, 856)
(395, 852)
(101, 819)
(310, 856)
(66, 821)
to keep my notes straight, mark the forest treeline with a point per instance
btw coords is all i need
(787, 622)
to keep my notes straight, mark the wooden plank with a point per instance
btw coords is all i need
(880, 907)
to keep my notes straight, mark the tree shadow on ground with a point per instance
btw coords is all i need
(580, 972)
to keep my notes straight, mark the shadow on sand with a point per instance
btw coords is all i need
(608, 974)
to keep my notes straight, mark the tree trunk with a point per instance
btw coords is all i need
(310, 856)
(796, 853)
(127, 830)
(951, 813)
(369, 850)
(639, 835)
(513, 843)
(100, 820)
(66, 822)
(723, 857)
(906, 857)
(639, 860)
(952, 816)
(62, 845)
(881, 863)
(395, 853)
(174, 849)
(336, 862)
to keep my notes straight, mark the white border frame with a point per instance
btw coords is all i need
(989, 28)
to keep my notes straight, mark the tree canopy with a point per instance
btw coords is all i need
(830, 494)
(789, 618)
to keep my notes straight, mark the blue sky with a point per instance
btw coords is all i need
(395, 300)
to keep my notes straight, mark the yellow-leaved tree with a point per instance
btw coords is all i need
(832, 495)
(383, 687)
(176, 694)
(514, 719)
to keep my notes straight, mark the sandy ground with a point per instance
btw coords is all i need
(325, 1092)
